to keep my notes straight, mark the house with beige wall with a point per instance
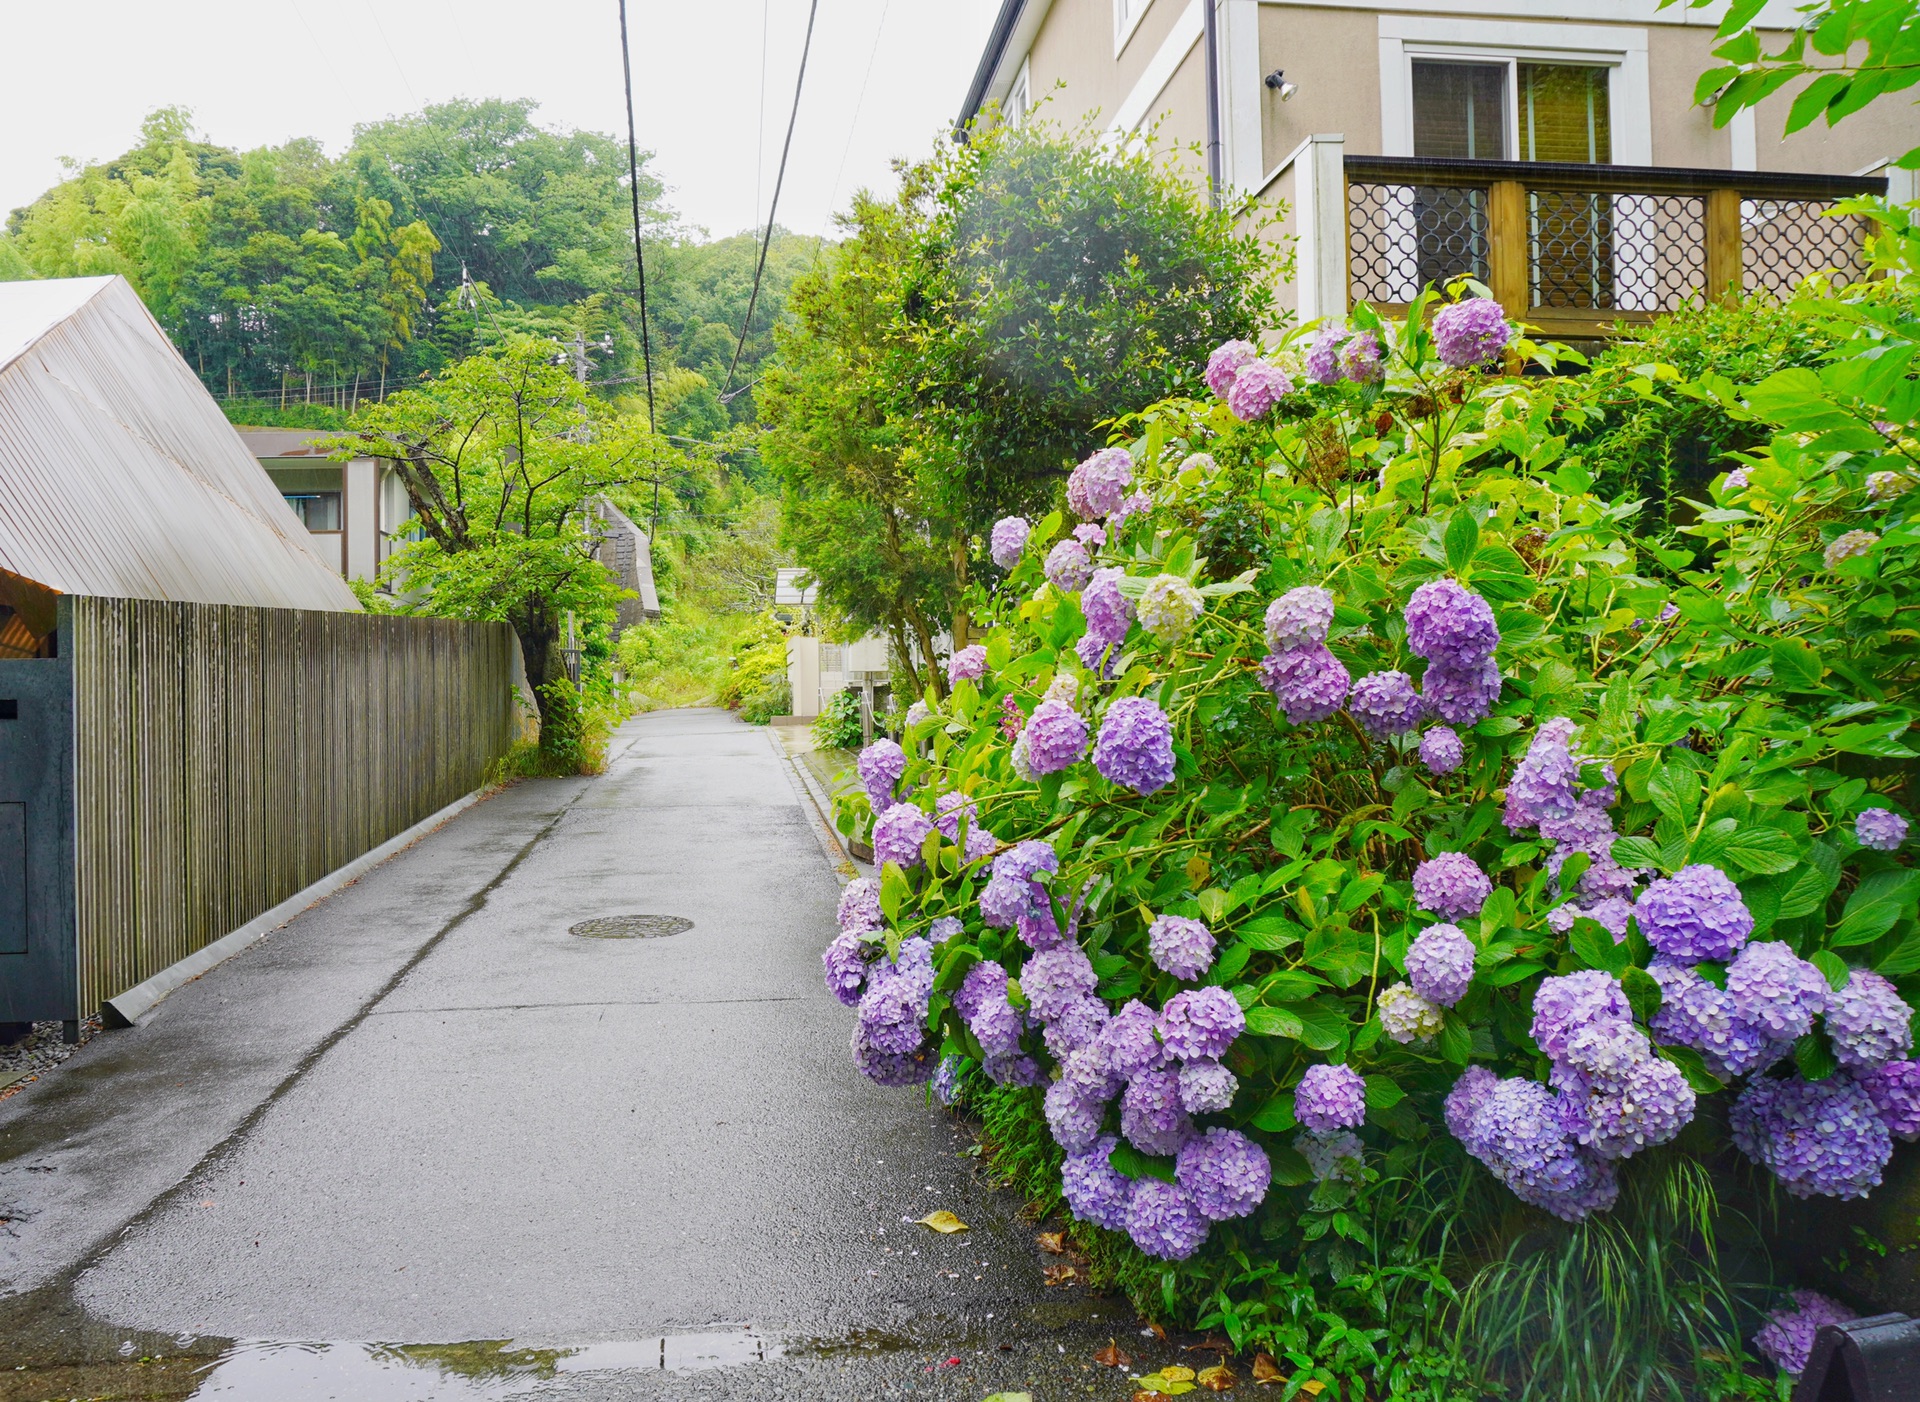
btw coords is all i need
(1549, 147)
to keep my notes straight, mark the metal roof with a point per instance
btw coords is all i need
(787, 590)
(119, 475)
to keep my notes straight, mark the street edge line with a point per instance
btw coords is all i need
(138, 1002)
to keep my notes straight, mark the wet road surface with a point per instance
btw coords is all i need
(425, 1142)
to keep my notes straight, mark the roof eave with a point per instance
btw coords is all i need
(998, 38)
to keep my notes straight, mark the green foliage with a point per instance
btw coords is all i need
(1750, 686)
(953, 357)
(756, 676)
(297, 284)
(837, 727)
(1839, 56)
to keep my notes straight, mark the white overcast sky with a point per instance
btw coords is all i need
(256, 72)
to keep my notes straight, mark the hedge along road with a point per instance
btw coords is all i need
(425, 1142)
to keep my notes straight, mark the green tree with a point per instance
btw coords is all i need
(502, 459)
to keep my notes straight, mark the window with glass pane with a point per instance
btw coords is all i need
(1460, 110)
(1563, 113)
(318, 511)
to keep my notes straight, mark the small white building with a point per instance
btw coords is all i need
(818, 670)
(356, 512)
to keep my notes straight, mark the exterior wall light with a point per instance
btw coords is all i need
(1277, 80)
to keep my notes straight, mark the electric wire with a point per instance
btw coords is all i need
(853, 130)
(727, 392)
(633, 189)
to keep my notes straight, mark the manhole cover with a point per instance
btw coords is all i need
(631, 927)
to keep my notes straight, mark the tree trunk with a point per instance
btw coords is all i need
(962, 623)
(898, 628)
(924, 636)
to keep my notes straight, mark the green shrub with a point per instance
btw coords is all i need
(837, 727)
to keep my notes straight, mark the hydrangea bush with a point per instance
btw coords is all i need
(1369, 781)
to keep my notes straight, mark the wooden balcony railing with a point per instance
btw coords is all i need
(1578, 250)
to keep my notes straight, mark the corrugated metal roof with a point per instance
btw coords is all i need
(119, 475)
(787, 590)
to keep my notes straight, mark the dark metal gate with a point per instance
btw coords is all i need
(38, 972)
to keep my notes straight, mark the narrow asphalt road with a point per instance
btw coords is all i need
(425, 1142)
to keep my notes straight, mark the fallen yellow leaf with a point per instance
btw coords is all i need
(1312, 1387)
(1053, 1243)
(1265, 1370)
(943, 1222)
(1177, 1373)
(1218, 1378)
(1112, 1356)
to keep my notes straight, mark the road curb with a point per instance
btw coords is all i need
(819, 810)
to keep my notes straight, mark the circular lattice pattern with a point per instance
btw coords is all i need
(631, 927)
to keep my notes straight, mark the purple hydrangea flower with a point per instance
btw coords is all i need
(1386, 704)
(1135, 748)
(1611, 914)
(1330, 1098)
(946, 1081)
(1880, 829)
(1098, 656)
(1694, 1013)
(997, 1025)
(1092, 534)
(967, 665)
(1469, 1093)
(949, 809)
(1068, 566)
(1774, 990)
(1151, 1116)
(1461, 696)
(898, 834)
(1643, 1106)
(1095, 1190)
(1471, 332)
(893, 1010)
(1169, 607)
(1009, 541)
(880, 765)
(1894, 1090)
(1074, 1120)
(1130, 506)
(1519, 1130)
(1056, 737)
(1407, 1017)
(1307, 681)
(1736, 481)
(845, 961)
(1020, 1070)
(1129, 1043)
(1340, 1155)
(1107, 610)
(1055, 978)
(1693, 915)
(1097, 486)
(1227, 1173)
(1323, 357)
(1087, 1071)
(1298, 617)
(1543, 783)
(1820, 1138)
(1256, 389)
(1206, 1087)
(1440, 964)
(1868, 1022)
(1013, 892)
(984, 981)
(1076, 1027)
(860, 905)
(1787, 1336)
(1201, 1023)
(1164, 1221)
(1441, 750)
(1451, 885)
(1450, 625)
(1225, 364)
(1360, 358)
(912, 1068)
(1180, 945)
(1569, 1002)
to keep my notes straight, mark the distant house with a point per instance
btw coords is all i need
(356, 512)
(1550, 148)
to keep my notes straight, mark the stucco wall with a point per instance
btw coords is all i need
(1683, 134)
(1883, 129)
(1334, 56)
(1075, 47)
(1178, 118)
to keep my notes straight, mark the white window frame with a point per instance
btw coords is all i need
(1020, 96)
(1127, 15)
(1622, 52)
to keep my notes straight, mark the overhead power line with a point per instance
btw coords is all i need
(766, 240)
(633, 188)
